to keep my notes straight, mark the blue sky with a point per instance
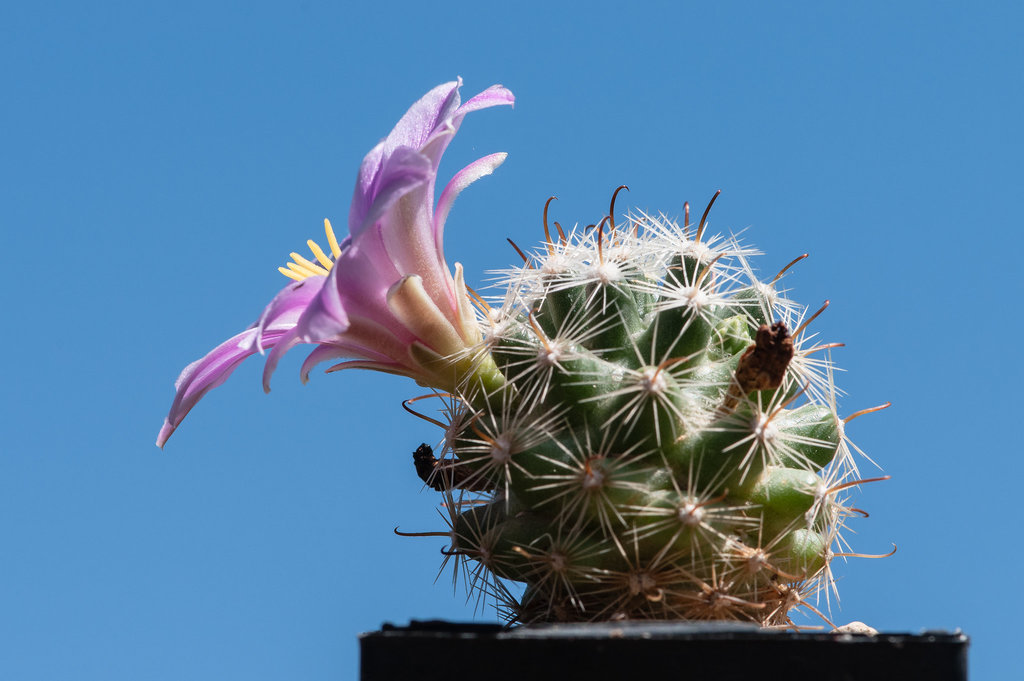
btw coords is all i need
(160, 162)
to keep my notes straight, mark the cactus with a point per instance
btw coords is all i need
(638, 428)
(665, 443)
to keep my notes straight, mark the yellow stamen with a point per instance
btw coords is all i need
(303, 267)
(300, 270)
(311, 266)
(291, 275)
(331, 239)
(318, 253)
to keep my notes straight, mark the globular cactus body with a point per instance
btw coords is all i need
(665, 443)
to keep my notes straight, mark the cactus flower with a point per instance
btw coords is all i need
(384, 298)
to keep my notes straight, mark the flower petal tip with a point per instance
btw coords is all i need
(165, 433)
(496, 95)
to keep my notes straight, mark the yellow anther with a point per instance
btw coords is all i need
(300, 270)
(303, 267)
(331, 239)
(318, 253)
(290, 274)
(312, 267)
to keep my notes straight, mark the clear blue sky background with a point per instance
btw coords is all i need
(159, 163)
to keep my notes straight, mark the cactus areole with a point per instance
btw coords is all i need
(664, 442)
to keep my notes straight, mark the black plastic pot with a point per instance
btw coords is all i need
(654, 650)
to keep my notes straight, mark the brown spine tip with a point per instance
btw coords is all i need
(704, 218)
(800, 329)
(791, 263)
(522, 255)
(561, 233)
(869, 410)
(547, 232)
(611, 207)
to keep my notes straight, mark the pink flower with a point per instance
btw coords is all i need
(383, 298)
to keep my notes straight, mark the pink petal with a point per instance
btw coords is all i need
(474, 171)
(205, 374)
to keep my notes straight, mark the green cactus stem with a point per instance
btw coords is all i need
(663, 441)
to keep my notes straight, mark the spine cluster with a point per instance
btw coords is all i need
(665, 443)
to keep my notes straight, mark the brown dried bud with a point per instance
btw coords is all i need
(763, 364)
